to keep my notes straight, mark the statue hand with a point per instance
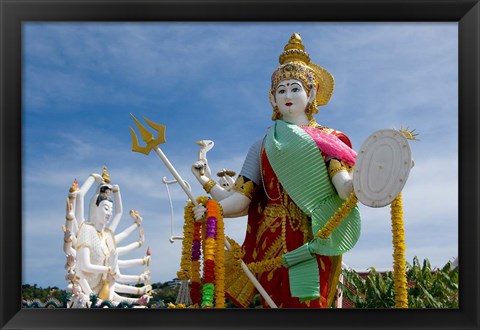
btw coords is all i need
(70, 261)
(145, 289)
(70, 276)
(76, 290)
(98, 177)
(143, 300)
(146, 260)
(115, 188)
(198, 168)
(67, 235)
(145, 276)
(136, 217)
(199, 212)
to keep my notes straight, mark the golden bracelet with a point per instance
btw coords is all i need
(138, 291)
(68, 240)
(209, 185)
(334, 167)
(139, 243)
(244, 187)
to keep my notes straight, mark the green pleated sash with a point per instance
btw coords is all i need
(301, 169)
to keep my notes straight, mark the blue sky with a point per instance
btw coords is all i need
(81, 81)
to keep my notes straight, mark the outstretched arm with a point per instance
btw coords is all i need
(72, 222)
(234, 206)
(130, 247)
(132, 289)
(124, 234)
(69, 240)
(217, 192)
(134, 262)
(236, 202)
(118, 298)
(118, 208)
(80, 195)
(138, 221)
(143, 277)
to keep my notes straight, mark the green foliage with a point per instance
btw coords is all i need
(428, 288)
(164, 294)
(434, 288)
(31, 292)
(375, 291)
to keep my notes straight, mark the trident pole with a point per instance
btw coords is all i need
(153, 143)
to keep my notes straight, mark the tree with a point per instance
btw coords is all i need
(427, 287)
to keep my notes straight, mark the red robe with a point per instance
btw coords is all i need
(275, 226)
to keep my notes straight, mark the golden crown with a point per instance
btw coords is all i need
(295, 64)
(105, 175)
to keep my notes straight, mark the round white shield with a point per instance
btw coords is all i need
(382, 167)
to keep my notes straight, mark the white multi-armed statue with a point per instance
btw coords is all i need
(92, 250)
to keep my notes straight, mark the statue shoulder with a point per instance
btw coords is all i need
(339, 134)
(85, 234)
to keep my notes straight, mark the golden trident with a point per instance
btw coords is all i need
(147, 137)
(153, 143)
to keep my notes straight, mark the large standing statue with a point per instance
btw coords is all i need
(292, 182)
(92, 250)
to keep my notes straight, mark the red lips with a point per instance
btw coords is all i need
(288, 104)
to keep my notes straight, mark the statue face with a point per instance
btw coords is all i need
(103, 212)
(291, 98)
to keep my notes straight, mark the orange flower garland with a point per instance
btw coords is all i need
(207, 236)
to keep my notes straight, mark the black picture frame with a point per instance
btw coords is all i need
(14, 12)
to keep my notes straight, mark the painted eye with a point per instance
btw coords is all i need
(296, 89)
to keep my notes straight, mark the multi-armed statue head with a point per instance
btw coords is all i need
(101, 205)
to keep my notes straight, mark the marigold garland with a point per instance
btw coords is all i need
(338, 217)
(219, 254)
(185, 263)
(398, 232)
(207, 237)
(260, 267)
(211, 233)
(399, 267)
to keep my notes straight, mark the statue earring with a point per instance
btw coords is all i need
(276, 113)
(311, 109)
(308, 111)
